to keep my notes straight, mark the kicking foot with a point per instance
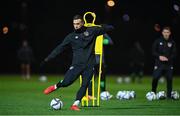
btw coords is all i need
(49, 89)
(75, 107)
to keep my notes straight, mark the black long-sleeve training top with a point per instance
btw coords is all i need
(82, 43)
(162, 47)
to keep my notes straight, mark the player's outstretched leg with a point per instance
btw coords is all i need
(70, 76)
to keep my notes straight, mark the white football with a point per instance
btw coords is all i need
(162, 80)
(119, 80)
(132, 94)
(120, 94)
(105, 95)
(56, 104)
(127, 95)
(151, 96)
(175, 95)
(43, 78)
(161, 95)
(127, 79)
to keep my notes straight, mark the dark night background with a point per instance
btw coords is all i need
(45, 23)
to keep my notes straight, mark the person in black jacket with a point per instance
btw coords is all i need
(164, 52)
(82, 40)
(26, 57)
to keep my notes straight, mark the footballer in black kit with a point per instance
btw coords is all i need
(82, 40)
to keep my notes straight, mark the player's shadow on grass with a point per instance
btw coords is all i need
(137, 107)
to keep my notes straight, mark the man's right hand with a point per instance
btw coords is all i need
(163, 58)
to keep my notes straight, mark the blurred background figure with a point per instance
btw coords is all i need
(25, 57)
(137, 58)
(164, 52)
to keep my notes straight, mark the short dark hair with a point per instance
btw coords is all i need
(166, 28)
(77, 17)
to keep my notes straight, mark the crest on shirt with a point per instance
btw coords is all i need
(169, 44)
(161, 43)
(76, 37)
(86, 33)
(155, 67)
(72, 67)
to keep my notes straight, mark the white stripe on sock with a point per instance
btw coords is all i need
(76, 102)
(55, 86)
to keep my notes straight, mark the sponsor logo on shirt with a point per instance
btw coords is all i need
(155, 67)
(86, 33)
(76, 37)
(169, 44)
(71, 67)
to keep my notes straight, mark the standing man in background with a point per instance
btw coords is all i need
(164, 52)
(26, 57)
(137, 57)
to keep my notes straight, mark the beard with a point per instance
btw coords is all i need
(166, 37)
(82, 29)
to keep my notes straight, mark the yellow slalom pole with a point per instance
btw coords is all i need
(99, 51)
(87, 101)
(93, 102)
(99, 81)
(80, 81)
(82, 103)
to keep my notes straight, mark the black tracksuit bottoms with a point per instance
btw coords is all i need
(158, 72)
(73, 74)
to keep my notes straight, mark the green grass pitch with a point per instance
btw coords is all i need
(25, 97)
